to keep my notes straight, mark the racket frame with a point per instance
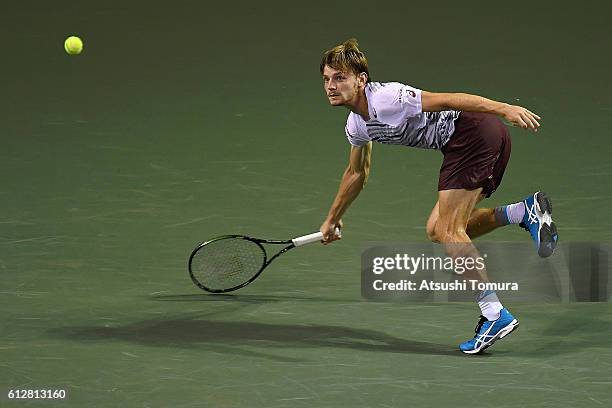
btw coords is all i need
(259, 242)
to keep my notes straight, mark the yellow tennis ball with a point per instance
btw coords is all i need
(73, 45)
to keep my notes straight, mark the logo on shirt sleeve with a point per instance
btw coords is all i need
(404, 93)
(410, 92)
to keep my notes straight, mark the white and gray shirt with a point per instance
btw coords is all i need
(397, 117)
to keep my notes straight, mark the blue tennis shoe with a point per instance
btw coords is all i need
(489, 331)
(538, 221)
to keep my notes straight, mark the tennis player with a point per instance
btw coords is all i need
(476, 148)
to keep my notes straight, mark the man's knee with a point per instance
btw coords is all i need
(445, 234)
(439, 233)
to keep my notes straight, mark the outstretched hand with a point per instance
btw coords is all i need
(521, 117)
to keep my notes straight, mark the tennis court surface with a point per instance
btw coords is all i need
(177, 125)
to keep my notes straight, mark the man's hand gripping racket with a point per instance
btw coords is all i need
(331, 231)
(230, 262)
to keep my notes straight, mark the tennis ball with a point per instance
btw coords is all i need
(73, 45)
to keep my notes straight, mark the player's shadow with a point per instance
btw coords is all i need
(230, 336)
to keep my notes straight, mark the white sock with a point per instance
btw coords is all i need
(515, 212)
(489, 304)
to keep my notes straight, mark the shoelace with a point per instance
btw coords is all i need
(532, 214)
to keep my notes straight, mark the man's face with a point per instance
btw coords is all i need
(340, 87)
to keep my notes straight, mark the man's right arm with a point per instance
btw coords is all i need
(354, 179)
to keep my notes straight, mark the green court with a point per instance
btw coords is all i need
(180, 123)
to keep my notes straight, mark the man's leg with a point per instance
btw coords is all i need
(455, 209)
(482, 220)
(533, 214)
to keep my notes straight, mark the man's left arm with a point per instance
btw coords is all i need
(517, 115)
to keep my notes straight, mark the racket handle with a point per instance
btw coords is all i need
(310, 238)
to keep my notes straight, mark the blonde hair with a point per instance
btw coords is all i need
(346, 57)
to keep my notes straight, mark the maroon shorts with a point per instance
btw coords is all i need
(476, 154)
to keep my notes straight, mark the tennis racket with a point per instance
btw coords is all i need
(230, 262)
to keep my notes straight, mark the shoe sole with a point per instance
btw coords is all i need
(548, 231)
(500, 335)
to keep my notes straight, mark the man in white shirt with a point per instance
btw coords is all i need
(476, 147)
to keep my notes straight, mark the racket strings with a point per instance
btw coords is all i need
(227, 263)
